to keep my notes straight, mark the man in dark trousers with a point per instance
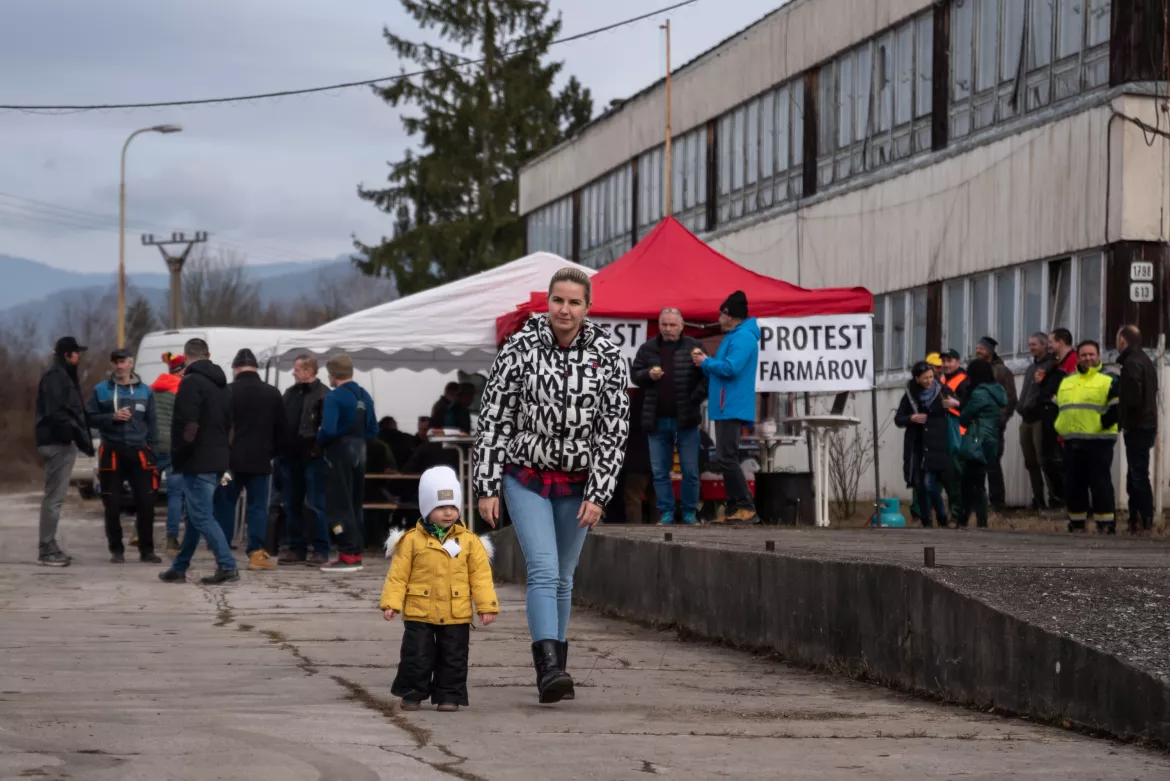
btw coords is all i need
(302, 469)
(201, 435)
(985, 351)
(260, 426)
(1139, 423)
(61, 430)
(122, 409)
(675, 392)
(1032, 408)
(347, 421)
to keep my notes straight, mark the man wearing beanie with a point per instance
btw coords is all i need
(985, 350)
(347, 421)
(260, 425)
(61, 430)
(732, 399)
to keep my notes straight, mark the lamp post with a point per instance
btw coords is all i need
(122, 228)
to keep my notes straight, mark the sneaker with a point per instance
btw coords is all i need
(260, 560)
(291, 557)
(172, 576)
(666, 519)
(150, 557)
(316, 560)
(448, 707)
(172, 543)
(690, 518)
(344, 563)
(221, 576)
(743, 516)
(52, 556)
(410, 705)
(117, 558)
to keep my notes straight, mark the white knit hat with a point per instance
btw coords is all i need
(439, 487)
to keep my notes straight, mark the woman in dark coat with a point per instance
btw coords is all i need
(925, 456)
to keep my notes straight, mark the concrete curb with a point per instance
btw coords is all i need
(884, 622)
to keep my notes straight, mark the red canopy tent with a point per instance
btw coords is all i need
(673, 267)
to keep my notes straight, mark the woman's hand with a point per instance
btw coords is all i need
(489, 508)
(389, 614)
(920, 418)
(588, 515)
(950, 403)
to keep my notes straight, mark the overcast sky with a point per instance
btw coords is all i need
(276, 179)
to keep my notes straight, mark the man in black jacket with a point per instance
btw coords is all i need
(985, 350)
(1033, 403)
(675, 391)
(1139, 421)
(61, 430)
(201, 435)
(302, 469)
(260, 426)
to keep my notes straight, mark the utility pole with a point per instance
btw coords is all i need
(175, 266)
(667, 174)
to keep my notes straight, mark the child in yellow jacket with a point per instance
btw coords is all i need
(436, 570)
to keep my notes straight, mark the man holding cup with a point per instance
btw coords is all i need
(675, 391)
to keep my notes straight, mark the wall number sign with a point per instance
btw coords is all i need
(1141, 292)
(1141, 271)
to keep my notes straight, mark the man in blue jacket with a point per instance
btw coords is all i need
(122, 410)
(348, 421)
(732, 398)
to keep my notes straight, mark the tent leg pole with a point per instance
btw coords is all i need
(877, 465)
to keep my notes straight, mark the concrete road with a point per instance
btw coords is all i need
(107, 673)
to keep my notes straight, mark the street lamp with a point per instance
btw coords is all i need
(122, 228)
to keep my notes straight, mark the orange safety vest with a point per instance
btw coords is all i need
(954, 383)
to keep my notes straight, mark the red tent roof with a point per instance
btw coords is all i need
(673, 267)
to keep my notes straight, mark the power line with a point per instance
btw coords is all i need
(332, 87)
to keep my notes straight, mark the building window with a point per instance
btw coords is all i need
(955, 299)
(1031, 319)
(1013, 56)
(605, 218)
(897, 332)
(1059, 294)
(980, 315)
(879, 332)
(688, 161)
(1006, 299)
(1091, 289)
(651, 193)
(875, 102)
(550, 228)
(918, 335)
(761, 153)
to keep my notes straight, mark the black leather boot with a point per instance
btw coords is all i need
(563, 662)
(552, 682)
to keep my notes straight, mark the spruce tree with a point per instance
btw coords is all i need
(455, 197)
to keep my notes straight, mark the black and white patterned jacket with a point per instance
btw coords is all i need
(555, 409)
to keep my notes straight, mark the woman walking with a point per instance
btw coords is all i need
(980, 445)
(551, 439)
(924, 412)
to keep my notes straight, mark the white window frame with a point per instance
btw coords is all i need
(606, 206)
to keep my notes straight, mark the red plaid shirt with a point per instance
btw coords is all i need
(553, 485)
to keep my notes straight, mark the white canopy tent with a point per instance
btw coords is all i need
(446, 329)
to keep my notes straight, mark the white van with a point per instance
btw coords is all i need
(224, 343)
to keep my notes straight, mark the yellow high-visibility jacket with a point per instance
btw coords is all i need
(1088, 404)
(427, 584)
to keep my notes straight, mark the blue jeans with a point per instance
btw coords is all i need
(552, 542)
(199, 496)
(302, 483)
(932, 499)
(174, 493)
(663, 439)
(226, 498)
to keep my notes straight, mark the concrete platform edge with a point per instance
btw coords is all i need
(885, 623)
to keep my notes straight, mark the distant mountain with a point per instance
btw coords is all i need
(39, 295)
(27, 280)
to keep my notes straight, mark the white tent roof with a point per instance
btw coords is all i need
(447, 328)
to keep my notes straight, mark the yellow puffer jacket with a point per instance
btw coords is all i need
(425, 583)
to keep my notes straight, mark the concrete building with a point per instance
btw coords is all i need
(983, 166)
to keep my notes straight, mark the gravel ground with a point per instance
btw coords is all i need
(1123, 612)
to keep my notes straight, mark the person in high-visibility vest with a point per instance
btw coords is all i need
(1087, 423)
(956, 380)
